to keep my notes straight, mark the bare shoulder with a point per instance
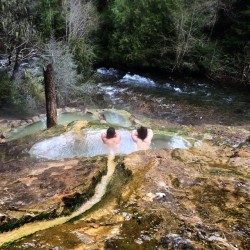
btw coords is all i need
(104, 137)
(150, 135)
(134, 132)
(117, 133)
(150, 132)
(134, 135)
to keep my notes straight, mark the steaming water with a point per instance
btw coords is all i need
(31, 228)
(89, 143)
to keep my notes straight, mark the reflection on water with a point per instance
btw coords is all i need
(89, 143)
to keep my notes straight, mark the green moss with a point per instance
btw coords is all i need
(120, 178)
(139, 227)
(176, 182)
(222, 172)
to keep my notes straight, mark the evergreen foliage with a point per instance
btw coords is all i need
(210, 37)
(138, 28)
(50, 19)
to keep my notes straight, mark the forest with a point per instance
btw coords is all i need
(203, 38)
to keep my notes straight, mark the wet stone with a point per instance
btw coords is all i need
(176, 242)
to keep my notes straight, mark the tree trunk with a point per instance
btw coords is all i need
(16, 65)
(50, 95)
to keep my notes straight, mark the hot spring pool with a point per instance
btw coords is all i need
(67, 117)
(89, 143)
(63, 118)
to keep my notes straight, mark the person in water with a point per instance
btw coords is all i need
(112, 139)
(142, 137)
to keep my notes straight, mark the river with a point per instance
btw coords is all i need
(182, 101)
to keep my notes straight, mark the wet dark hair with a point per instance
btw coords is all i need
(142, 132)
(110, 132)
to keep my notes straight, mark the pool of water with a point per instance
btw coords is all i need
(63, 118)
(115, 118)
(88, 143)
(170, 142)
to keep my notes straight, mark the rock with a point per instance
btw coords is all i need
(2, 217)
(160, 195)
(3, 121)
(35, 118)
(2, 136)
(33, 188)
(174, 241)
(84, 238)
(103, 121)
(194, 198)
(137, 122)
(66, 109)
(23, 123)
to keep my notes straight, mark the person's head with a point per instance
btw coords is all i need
(110, 132)
(142, 132)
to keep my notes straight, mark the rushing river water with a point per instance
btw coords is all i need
(181, 101)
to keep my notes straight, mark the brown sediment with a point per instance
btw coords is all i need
(31, 228)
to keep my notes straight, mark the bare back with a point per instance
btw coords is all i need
(142, 144)
(111, 141)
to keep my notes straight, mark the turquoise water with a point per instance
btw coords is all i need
(63, 118)
(115, 118)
